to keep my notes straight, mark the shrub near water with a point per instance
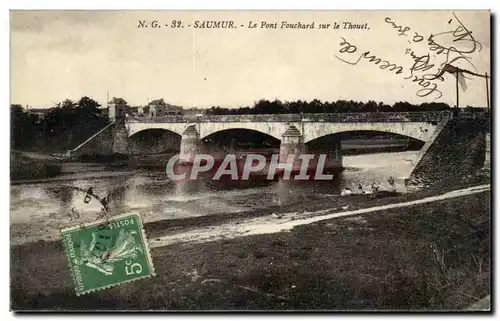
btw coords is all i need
(22, 167)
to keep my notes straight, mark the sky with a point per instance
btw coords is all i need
(69, 54)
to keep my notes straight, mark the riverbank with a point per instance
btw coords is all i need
(174, 213)
(359, 146)
(32, 166)
(427, 256)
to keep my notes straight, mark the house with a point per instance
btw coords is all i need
(143, 111)
(159, 107)
(40, 112)
(174, 110)
(133, 110)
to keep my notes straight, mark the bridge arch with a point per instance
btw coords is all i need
(154, 141)
(145, 131)
(274, 129)
(242, 138)
(349, 133)
(418, 130)
(363, 140)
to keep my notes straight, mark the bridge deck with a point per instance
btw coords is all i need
(318, 117)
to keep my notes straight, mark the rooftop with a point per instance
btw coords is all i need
(158, 102)
(118, 101)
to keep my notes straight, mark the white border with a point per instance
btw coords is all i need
(251, 5)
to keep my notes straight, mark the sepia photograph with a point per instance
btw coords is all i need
(272, 160)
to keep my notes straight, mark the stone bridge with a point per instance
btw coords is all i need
(293, 130)
(311, 126)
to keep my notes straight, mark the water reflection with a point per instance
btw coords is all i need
(117, 193)
(190, 187)
(65, 194)
(156, 197)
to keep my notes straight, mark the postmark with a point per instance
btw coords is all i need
(107, 252)
(87, 206)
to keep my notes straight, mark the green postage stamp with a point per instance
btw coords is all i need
(108, 252)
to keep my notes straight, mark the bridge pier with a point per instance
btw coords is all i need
(120, 139)
(190, 144)
(292, 143)
(337, 157)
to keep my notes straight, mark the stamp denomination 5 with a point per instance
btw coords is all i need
(108, 252)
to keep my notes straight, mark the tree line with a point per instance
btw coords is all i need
(61, 129)
(264, 106)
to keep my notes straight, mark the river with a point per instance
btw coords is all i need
(40, 209)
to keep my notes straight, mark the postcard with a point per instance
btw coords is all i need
(250, 160)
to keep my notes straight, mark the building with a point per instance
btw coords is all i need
(143, 111)
(40, 112)
(159, 107)
(133, 110)
(172, 110)
(117, 109)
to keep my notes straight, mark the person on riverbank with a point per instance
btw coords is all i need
(392, 183)
(346, 191)
(375, 188)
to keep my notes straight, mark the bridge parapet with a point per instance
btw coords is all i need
(289, 118)
(386, 117)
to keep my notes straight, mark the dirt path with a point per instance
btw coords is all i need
(34, 155)
(271, 224)
(381, 262)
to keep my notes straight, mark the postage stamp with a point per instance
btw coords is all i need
(108, 252)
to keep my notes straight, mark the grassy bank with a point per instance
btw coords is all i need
(429, 256)
(307, 204)
(27, 166)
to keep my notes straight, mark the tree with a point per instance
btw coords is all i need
(89, 103)
(370, 107)
(24, 127)
(118, 101)
(67, 103)
(17, 119)
(67, 126)
(403, 107)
